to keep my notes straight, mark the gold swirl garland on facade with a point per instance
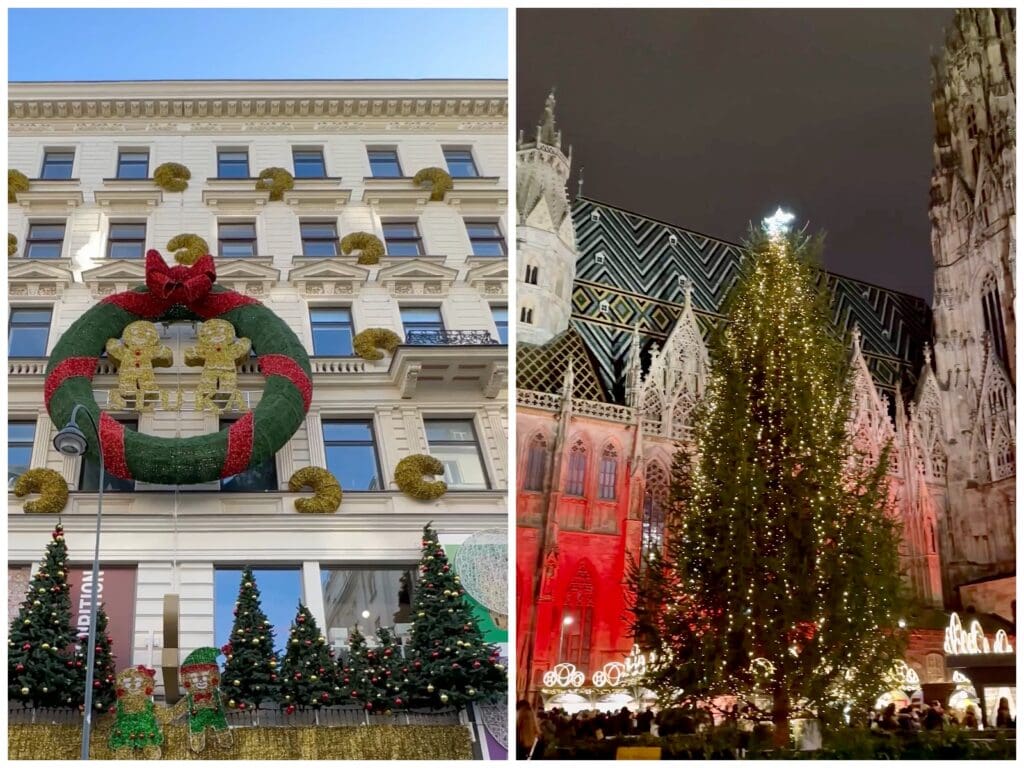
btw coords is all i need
(440, 181)
(367, 742)
(409, 477)
(324, 485)
(369, 246)
(49, 484)
(16, 182)
(276, 181)
(368, 343)
(12, 244)
(172, 177)
(188, 248)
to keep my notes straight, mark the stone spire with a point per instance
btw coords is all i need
(546, 133)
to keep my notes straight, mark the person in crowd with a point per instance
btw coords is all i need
(970, 720)
(887, 721)
(1003, 719)
(527, 730)
(644, 721)
(933, 717)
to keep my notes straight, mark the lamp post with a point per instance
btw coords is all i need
(71, 441)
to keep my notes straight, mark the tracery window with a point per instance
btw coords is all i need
(576, 475)
(938, 461)
(652, 537)
(536, 461)
(608, 473)
(992, 310)
(1004, 457)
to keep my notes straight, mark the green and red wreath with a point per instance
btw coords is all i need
(171, 294)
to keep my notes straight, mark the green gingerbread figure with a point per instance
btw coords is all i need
(137, 726)
(201, 679)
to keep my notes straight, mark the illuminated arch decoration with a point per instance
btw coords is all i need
(563, 675)
(972, 641)
(171, 294)
(612, 675)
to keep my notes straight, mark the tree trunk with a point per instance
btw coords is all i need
(780, 718)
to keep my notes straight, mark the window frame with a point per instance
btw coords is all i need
(47, 151)
(20, 444)
(607, 476)
(221, 240)
(319, 222)
(112, 240)
(498, 326)
(226, 421)
(370, 150)
(314, 324)
(373, 443)
(417, 239)
(536, 464)
(29, 241)
(472, 161)
(233, 150)
(471, 421)
(309, 150)
(498, 237)
(421, 325)
(12, 309)
(132, 151)
(576, 470)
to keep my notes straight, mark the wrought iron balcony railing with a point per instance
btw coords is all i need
(428, 338)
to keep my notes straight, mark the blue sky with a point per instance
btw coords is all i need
(280, 591)
(255, 43)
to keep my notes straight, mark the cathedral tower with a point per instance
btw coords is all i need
(545, 238)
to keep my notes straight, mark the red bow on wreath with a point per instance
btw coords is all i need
(179, 284)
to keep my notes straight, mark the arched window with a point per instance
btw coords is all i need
(1004, 457)
(938, 461)
(993, 313)
(531, 275)
(576, 477)
(536, 461)
(652, 537)
(971, 121)
(608, 474)
(576, 626)
(526, 315)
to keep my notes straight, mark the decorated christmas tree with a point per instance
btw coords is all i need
(309, 674)
(251, 672)
(451, 665)
(373, 677)
(781, 571)
(43, 668)
(104, 681)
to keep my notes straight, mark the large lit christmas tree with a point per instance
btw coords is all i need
(42, 667)
(251, 671)
(451, 665)
(309, 674)
(781, 570)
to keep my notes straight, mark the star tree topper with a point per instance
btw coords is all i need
(778, 223)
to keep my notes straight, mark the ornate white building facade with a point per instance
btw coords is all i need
(91, 212)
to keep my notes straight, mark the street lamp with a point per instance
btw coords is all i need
(566, 622)
(71, 441)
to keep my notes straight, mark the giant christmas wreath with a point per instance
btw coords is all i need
(182, 293)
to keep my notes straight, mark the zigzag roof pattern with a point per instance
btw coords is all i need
(636, 264)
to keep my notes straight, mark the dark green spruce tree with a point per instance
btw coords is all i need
(375, 675)
(43, 669)
(251, 671)
(451, 665)
(309, 674)
(781, 568)
(104, 698)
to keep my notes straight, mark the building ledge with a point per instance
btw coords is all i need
(48, 195)
(445, 367)
(124, 195)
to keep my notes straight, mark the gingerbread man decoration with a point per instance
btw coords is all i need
(220, 353)
(137, 725)
(136, 354)
(203, 703)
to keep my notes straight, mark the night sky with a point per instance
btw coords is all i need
(711, 119)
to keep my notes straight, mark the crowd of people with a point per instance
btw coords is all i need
(915, 716)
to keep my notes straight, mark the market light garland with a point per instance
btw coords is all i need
(368, 343)
(172, 177)
(369, 246)
(324, 484)
(49, 484)
(188, 248)
(16, 182)
(439, 179)
(171, 294)
(409, 477)
(276, 181)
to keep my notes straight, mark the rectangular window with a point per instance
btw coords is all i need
(352, 454)
(236, 239)
(45, 241)
(232, 164)
(485, 238)
(309, 163)
(89, 473)
(20, 437)
(385, 593)
(402, 238)
(126, 241)
(57, 164)
(453, 442)
(28, 331)
(422, 325)
(384, 163)
(536, 461)
(259, 478)
(319, 238)
(500, 315)
(606, 478)
(133, 164)
(460, 163)
(576, 474)
(332, 331)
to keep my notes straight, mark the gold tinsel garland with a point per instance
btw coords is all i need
(372, 742)
(409, 477)
(439, 178)
(49, 484)
(16, 182)
(368, 343)
(12, 244)
(276, 181)
(188, 248)
(324, 485)
(172, 177)
(369, 246)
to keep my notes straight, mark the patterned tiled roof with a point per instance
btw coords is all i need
(636, 264)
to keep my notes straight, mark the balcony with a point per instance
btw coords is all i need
(444, 360)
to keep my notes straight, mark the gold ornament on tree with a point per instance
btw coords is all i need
(324, 485)
(409, 477)
(220, 353)
(188, 248)
(276, 181)
(438, 178)
(368, 343)
(136, 354)
(49, 484)
(369, 246)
